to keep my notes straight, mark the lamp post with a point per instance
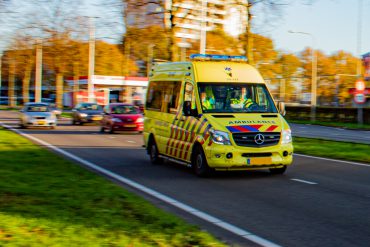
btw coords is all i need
(1, 59)
(150, 59)
(90, 85)
(38, 72)
(203, 28)
(314, 75)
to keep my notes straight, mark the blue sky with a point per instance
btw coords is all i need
(333, 23)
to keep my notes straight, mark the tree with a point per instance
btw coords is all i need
(288, 70)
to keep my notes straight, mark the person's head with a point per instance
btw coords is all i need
(203, 96)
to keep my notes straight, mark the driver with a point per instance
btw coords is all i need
(245, 99)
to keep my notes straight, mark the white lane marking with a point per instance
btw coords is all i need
(131, 141)
(334, 160)
(207, 217)
(302, 181)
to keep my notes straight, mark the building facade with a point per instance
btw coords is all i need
(190, 17)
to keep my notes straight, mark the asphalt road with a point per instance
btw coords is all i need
(316, 203)
(330, 133)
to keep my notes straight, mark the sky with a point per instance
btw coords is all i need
(333, 25)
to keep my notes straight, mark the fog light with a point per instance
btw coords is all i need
(229, 155)
(285, 153)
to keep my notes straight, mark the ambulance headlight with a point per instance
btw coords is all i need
(220, 137)
(287, 136)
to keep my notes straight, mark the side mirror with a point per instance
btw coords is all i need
(281, 108)
(188, 111)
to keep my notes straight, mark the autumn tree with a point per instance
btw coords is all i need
(288, 72)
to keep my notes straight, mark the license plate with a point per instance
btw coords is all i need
(130, 125)
(40, 122)
(259, 161)
(96, 118)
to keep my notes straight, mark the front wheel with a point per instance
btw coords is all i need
(153, 153)
(199, 163)
(280, 170)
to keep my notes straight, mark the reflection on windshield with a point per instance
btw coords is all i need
(37, 108)
(227, 98)
(92, 107)
(124, 109)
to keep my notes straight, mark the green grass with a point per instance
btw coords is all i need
(333, 124)
(332, 149)
(46, 200)
(66, 114)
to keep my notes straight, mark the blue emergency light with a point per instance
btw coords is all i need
(210, 57)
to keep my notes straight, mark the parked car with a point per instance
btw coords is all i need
(37, 115)
(122, 117)
(55, 110)
(87, 113)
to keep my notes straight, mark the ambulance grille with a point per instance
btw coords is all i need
(248, 139)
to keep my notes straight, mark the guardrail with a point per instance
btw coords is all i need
(327, 114)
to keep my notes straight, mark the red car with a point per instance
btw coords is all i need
(122, 117)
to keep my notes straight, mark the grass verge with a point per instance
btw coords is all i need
(333, 124)
(332, 149)
(66, 114)
(48, 201)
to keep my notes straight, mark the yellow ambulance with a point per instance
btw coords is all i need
(215, 113)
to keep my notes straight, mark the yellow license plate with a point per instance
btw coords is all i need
(40, 122)
(96, 118)
(130, 125)
(259, 161)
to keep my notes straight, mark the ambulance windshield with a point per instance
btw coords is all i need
(235, 98)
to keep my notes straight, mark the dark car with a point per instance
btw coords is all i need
(87, 113)
(122, 117)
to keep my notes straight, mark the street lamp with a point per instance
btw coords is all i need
(90, 85)
(38, 71)
(150, 58)
(314, 75)
(203, 28)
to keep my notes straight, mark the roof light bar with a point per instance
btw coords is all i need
(210, 57)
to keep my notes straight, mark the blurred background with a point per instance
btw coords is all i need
(68, 51)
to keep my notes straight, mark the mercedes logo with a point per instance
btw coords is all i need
(259, 139)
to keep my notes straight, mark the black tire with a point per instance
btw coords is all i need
(153, 153)
(280, 170)
(111, 130)
(102, 130)
(74, 122)
(199, 163)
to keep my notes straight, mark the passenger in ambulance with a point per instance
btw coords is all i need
(208, 99)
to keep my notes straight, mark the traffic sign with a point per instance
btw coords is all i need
(360, 98)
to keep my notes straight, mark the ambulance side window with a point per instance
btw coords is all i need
(171, 91)
(154, 96)
(163, 96)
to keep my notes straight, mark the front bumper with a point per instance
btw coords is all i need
(128, 127)
(40, 123)
(228, 157)
(91, 119)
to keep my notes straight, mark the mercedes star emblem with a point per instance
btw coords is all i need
(259, 139)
